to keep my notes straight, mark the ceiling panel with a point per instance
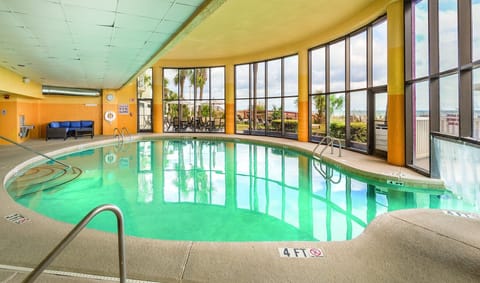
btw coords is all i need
(88, 16)
(105, 43)
(179, 12)
(85, 39)
(144, 8)
(135, 23)
(40, 8)
(105, 5)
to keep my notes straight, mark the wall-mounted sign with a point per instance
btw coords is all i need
(123, 109)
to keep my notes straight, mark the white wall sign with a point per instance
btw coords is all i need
(123, 109)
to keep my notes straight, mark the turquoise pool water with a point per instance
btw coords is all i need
(215, 190)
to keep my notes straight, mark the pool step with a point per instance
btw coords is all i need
(42, 178)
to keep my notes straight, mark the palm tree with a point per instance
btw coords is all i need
(199, 79)
(180, 79)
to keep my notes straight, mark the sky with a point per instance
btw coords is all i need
(448, 48)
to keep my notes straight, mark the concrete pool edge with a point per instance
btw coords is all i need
(370, 256)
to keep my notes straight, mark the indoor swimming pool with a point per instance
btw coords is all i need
(216, 190)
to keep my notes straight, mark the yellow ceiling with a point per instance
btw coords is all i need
(242, 27)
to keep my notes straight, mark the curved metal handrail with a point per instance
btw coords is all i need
(59, 248)
(117, 134)
(124, 132)
(36, 152)
(330, 143)
(325, 173)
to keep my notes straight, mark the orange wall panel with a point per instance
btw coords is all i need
(8, 119)
(67, 108)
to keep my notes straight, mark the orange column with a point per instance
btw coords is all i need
(157, 82)
(229, 99)
(396, 97)
(303, 95)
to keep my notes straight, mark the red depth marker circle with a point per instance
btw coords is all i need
(316, 252)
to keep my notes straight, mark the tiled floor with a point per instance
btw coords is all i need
(402, 246)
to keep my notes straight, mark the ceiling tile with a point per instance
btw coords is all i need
(86, 42)
(82, 15)
(146, 8)
(180, 12)
(190, 2)
(38, 8)
(105, 5)
(132, 22)
(167, 27)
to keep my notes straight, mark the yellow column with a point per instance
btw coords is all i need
(157, 82)
(303, 95)
(229, 99)
(396, 98)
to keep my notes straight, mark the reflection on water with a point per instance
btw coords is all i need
(205, 190)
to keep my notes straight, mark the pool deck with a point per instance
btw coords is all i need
(416, 245)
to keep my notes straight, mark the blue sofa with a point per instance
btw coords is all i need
(65, 129)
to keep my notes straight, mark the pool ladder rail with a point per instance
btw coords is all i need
(327, 172)
(120, 135)
(328, 141)
(32, 276)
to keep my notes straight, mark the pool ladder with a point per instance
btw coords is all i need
(76, 230)
(329, 142)
(120, 135)
(327, 172)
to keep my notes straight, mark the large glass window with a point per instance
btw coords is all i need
(337, 66)
(421, 125)
(444, 36)
(476, 30)
(449, 118)
(194, 99)
(379, 44)
(476, 104)
(420, 39)
(339, 100)
(447, 34)
(358, 61)
(144, 102)
(266, 95)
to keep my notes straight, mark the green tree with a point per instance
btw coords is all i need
(320, 101)
(180, 78)
(199, 79)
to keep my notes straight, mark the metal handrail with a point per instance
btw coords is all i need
(117, 134)
(36, 152)
(124, 132)
(325, 173)
(330, 142)
(59, 248)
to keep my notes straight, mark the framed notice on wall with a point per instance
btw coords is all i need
(123, 109)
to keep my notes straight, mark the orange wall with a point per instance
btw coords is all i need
(8, 119)
(125, 95)
(67, 108)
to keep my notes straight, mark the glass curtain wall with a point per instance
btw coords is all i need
(344, 76)
(442, 78)
(144, 102)
(266, 97)
(194, 99)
